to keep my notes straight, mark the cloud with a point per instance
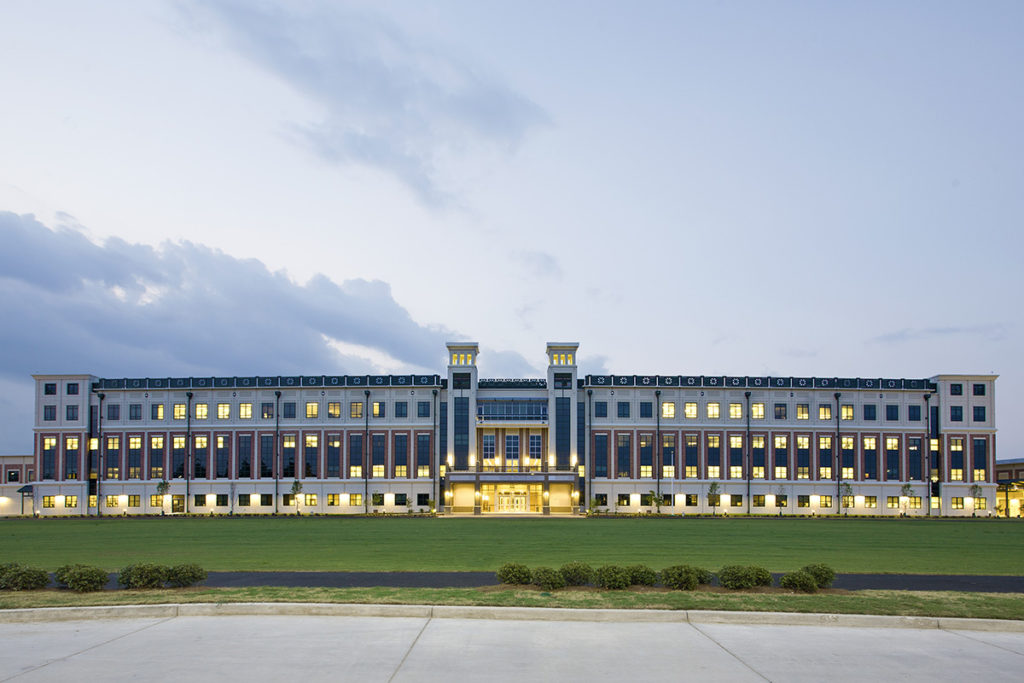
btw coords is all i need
(120, 309)
(990, 332)
(389, 101)
(540, 264)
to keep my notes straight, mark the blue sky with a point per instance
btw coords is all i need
(769, 188)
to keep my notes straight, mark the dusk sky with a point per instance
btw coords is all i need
(764, 188)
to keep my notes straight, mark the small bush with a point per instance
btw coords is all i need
(611, 577)
(577, 573)
(143, 576)
(82, 578)
(642, 575)
(514, 574)
(683, 577)
(823, 574)
(547, 578)
(800, 580)
(737, 577)
(16, 577)
(185, 575)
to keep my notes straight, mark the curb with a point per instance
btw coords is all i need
(170, 611)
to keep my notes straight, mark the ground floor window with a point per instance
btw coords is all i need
(915, 502)
(803, 501)
(222, 500)
(401, 499)
(736, 500)
(376, 499)
(243, 500)
(826, 501)
(92, 500)
(423, 499)
(134, 501)
(956, 502)
(758, 500)
(892, 502)
(156, 500)
(309, 499)
(622, 500)
(871, 501)
(111, 501)
(980, 503)
(48, 501)
(355, 499)
(266, 499)
(691, 500)
(782, 500)
(847, 501)
(70, 501)
(714, 499)
(199, 500)
(332, 499)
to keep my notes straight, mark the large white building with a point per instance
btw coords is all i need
(681, 444)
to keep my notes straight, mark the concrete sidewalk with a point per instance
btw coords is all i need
(301, 642)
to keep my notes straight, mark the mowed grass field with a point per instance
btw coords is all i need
(969, 546)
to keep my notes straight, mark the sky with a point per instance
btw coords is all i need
(254, 187)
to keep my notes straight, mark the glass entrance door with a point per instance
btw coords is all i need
(513, 501)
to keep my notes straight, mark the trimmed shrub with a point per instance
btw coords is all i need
(737, 576)
(142, 576)
(799, 580)
(185, 575)
(642, 575)
(823, 574)
(16, 577)
(682, 577)
(547, 578)
(577, 573)
(514, 574)
(611, 577)
(82, 578)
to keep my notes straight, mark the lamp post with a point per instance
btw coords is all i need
(99, 454)
(188, 449)
(589, 493)
(277, 447)
(838, 458)
(435, 465)
(657, 448)
(928, 449)
(749, 463)
(366, 445)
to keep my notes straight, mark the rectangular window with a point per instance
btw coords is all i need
(803, 457)
(288, 456)
(423, 455)
(646, 409)
(48, 501)
(113, 412)
(758, 453)
(692, 447)
(623, 408)
(72, 501)
(956, 414)
(178, 457)
(355, 410)
(714, 442)
(199, 500)
(781, 456)
(243, 499)
(135, 411)
(223, 411)
(979, 413)
(690, 410)
(824, 457)
(134, 501)
(245, 411)
(244, 456)
(735, 411)
(334, 456)
(847, 502)
(401, 455)
(378, 453)
(355, 499)
(600, 409)
(334, 409)
(50, 389)
(980, 503)
(956, 389)
(600, 455)
(646, 456)
(379, 408)
(668, 456)
(803, 411)
(332, 499)
(824, 411)
(401, 409)
(978, 389)
(376, 499)
(892, 502)
(956, 502)
(781, 500)
(156, 411)
(156, 500)
(846, 412)
(355, 455)
(423, 409)
(892, 458)
(71, 413)
(402, 499)
(134, 457)
(179, 411)
(871, 501)
(202, 411)
(757, 411)
(803, 501)
(624, 456)
(288, 410)
(49, 413)
(111, 501)
(780, 411)
(113, 457)
(713, 410)
(892, 412)
(758, 500)
(979, 458)
(735, 457)
(915, 502)
(825, 502)
(870, 411)
(668, 410)
(847, 455)
(200, 452)
(870, 446)
(223, 457)
(267, 455)
(267, 411)
(914, 413)
(312, 410)
(72, 389)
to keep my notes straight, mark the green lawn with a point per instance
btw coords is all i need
(969, 546)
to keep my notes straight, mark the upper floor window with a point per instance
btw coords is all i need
(245, 411)
(824, 411)
(179, 411)
(355, 409)
(914, 413)
(623, 408)
(870, 412)
(713, 411)
(71, 413)
(223, 411)
(267, 411)
(334, 409)
(50, 389)
(312, 410)
(202, 411)
(600, 409)
(288, 410)
(72, 389)
(49, 413)
(690, 411)
(401, 409)
(979, 389)
(757, 411)
(156, 411)
(668, 410)
(956, 389)
(979, 413)
(736, 411)
(379, 408)
(423, 409)
(134, 411)
(113, 411)
(846, 412)
(803, 411)
(646, 409)
(892, 412)
(956, 413)
(780, 411)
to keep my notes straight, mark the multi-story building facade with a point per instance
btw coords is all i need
(554, 445)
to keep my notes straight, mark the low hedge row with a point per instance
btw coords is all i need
(84, 578)
(678, 577)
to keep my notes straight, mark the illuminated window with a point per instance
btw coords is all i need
(312, 410)
(690, 411)
(826, 502)
(713, 410)
(202, 410)
(245, 411)
(179, 411)
(156, 500)
(757, 445)
(111, 501)
(847, 501)
(980, 503)
(979, 475)
(310, 499)
(401, 470)
(668, 410)
(915, 502)
(379, 408)
(48, 501)
(758, 500)
(735, 411)
(780, 411)
(72, 501)
(134, 501)
(92, 501)
(757, 411)
(267, 411)
(892, 502)
(223, 411)
(956, 448)
(803, 501)
(824, 412)
(355, 409)
(334, 409)
(956, 502)
(871, 501)
(355, 470)
(846, 412)
(156, 411)
(332, 499)
(803, 411)
(355, 499)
